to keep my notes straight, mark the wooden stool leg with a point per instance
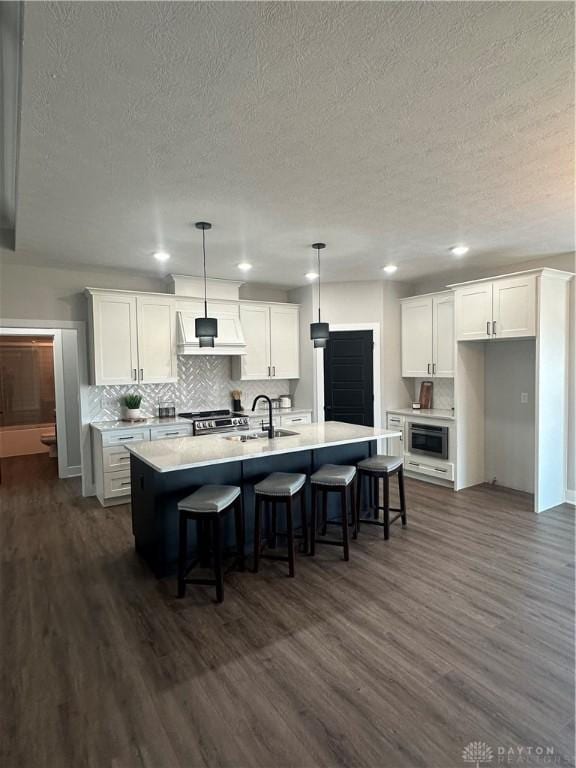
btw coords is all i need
(402, 495)
(324, 512)
(257, 526)
(359, 497)
(314, 521)
(344, 510)
(182, 553)
(376, 484)
(290, 536)
(353, 497)
(386, 481)
(218, 570)
(304, 520)
(239, 527)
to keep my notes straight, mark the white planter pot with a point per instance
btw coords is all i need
(133, 414)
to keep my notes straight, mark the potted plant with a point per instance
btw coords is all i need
(132, 406)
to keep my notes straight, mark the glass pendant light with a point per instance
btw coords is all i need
(206, 327)
(319, 332)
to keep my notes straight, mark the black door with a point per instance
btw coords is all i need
(349, 378)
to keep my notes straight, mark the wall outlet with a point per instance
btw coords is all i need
(524, 397)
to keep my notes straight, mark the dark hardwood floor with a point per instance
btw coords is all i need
(459, 629)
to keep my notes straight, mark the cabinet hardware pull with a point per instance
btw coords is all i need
(125, 482)
(128, 437)
(171, 433)
(134, 374)
(273, 370)
(494, 327)
(124, 458)
(488, 327)
(433, 367)
(269, 371)
(428, 367)
(141, 373)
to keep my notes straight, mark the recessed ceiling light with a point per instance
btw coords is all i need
(244, 266)
(311, 275)
(389, 269)
(459, 250)
(161, 256)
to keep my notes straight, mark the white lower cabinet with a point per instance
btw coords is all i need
(295, 419)
(112, 459)
(395, 445)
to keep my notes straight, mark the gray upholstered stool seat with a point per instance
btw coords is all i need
(377, 470)
(209, 507)
(333, 478)
(279, 489)
(210, 498)
(333, 474)
(280, 484)
(381, 463)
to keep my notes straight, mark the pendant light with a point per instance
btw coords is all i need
(319, 332)
(206, 327)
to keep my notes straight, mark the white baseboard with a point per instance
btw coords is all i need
(70, 472)
(570, 497)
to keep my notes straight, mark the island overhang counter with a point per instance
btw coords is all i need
(165, 471)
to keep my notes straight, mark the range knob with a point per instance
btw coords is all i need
(200, 425)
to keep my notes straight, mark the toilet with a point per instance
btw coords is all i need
(49, 439)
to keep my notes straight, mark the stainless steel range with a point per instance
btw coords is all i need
(221, 422)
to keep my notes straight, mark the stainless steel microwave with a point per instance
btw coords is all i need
(428, 439)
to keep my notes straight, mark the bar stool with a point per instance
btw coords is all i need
(208, 506)
(377, 468)
(333, 478)
(280, 488)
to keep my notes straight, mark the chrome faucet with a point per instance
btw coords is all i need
(270, 423)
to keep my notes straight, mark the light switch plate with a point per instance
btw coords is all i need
(524, 397)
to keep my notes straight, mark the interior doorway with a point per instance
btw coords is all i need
(40, 402)
(27, 396)
(349, 377)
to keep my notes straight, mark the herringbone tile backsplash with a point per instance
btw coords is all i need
(203, 383)
(442, 392)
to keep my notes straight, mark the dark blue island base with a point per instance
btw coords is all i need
(155, 496)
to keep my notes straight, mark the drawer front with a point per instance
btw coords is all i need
(128, 436)
(117, 484)
(441, 471)
(165, 433)
(303, 418)
(395, 422)
(115, 457)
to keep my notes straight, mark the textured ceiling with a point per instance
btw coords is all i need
(389, 130)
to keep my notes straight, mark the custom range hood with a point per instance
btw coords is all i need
(230, 339)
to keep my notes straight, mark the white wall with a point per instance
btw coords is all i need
(342, 303)
(565, 261)
(54, 293)
(509, 423)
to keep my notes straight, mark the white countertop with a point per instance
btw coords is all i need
(108, 426)
(191, 452)
(424, 413)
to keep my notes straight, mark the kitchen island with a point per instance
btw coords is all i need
(165, 471)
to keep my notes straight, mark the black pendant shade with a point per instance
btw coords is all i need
(319, 332)
(206, 328)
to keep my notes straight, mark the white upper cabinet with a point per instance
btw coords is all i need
(284, 342)
(114, 339)
(474, 312)
(417, 337)
(428, 336)
(272, 336)
(443, 335)
(255, 364)
(496, 309)
(514, 307)
(133, 338)
(156, 339)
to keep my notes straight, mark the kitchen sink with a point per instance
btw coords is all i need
(246, 437)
